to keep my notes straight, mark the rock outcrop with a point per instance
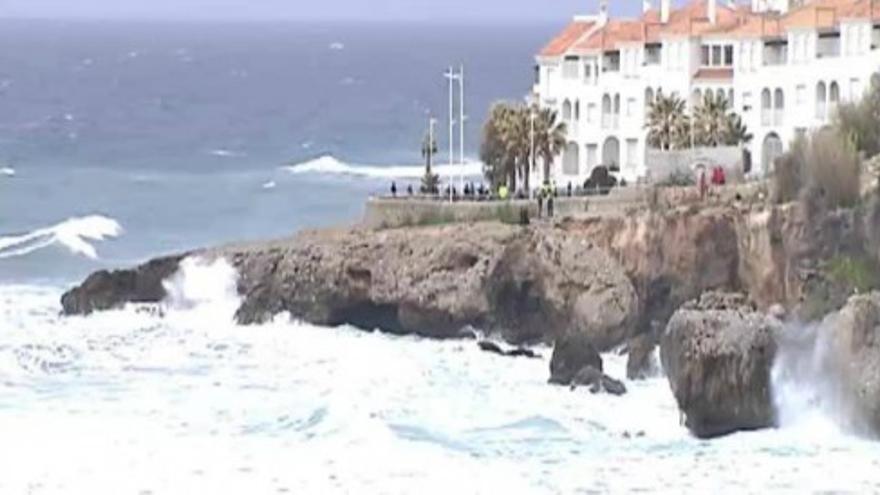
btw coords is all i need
(572, 353)
(529, 284)
(718, 353)
(106, 290)
(853, 336)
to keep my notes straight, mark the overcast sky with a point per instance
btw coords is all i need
(372, 10)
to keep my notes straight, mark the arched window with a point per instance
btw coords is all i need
(611, 153)
(778, 106)
(577, 110)
(770, 151)
(649, 98)
(821, 100)
(696, 98)
(833, 97)
(719, 94)
(766, 107)
(571, 159)
(566, 111)
(606, 110)
(616, 110)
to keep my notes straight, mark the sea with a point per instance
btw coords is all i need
(120, 141)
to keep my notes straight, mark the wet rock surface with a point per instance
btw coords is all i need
(717, 353)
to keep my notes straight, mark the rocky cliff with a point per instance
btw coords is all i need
(609, 278)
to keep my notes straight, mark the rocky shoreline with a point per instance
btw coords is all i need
(601, 283)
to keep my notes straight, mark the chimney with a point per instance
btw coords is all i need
(646, 6)
(664, 11)
(603, 11)
(710, 10)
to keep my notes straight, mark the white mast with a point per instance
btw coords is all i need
(461, 119)
(450, 75)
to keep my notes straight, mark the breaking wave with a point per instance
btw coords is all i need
(329, 165)
(75, 234)
(7, 172)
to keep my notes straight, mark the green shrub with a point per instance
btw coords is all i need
(824, 168)
(680, 177)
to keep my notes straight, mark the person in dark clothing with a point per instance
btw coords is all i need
(569, 189)
(393, 189)
(467, 191)
(550, 206)
(540, 203)
(409, 189)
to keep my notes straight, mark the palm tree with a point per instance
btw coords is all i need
(667, 123)
(737, 132)
(430, 181)
(550, 137)
(499, 165)
(711, 120)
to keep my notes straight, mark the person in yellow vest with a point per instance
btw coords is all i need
(502, 192)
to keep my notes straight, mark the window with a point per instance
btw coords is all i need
(728, 55)
(591, 112)
(821, 100)
(800, 94)
(570, 68)
(716, 55)
(766, 107)
(588, 72)
(632, 151)
(747, 101)
(855, 89)
(652, 54)
(778, 106)
(704, 56)
(630, 107)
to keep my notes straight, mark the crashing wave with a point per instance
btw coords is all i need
(73, 234)
(329, 165)
(7, 172)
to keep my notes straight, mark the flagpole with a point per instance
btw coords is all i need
(461, 123)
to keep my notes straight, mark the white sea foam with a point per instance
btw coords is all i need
(131, 401)
(328, 165)
(75, 234)
(269, 185)
(7, 172)
(337, 46)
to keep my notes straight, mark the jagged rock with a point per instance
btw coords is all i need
(854, 360)
(493, 348)
(106, 290)
(640, 362)
(718, 363)
(551, 279)
(529, 284)
(597, 382)
(571, 354)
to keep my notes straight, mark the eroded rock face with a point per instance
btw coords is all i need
(528, 284)
(854, 338)
(641, 362)
(550, 279)
(718, 359)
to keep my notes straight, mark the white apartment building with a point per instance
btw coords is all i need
(783, 64)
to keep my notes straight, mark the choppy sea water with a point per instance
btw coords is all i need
(163, 138)
(177, 399)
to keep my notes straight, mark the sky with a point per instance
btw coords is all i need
(367, 10)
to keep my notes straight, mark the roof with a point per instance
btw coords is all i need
(561, 43)
(736, 21)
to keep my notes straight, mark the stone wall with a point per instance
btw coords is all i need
(386, 212)
(661, 164)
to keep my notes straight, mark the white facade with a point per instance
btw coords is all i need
(782, 80)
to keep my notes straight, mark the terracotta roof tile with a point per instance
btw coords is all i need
(569, 36)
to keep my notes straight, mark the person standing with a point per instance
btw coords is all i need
(393, 189)
(540, 196)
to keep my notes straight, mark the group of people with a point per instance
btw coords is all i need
(718, 178)
(470, 191)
